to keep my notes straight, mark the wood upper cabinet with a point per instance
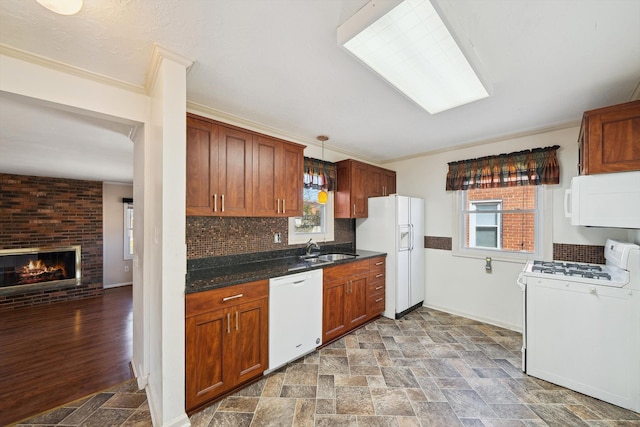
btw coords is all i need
(609, 139)
(219, 169)
(344, 299)
(351, 195)
(375, 179)
(226, 340)
(388, 182)
(357, 182)
(277, 177)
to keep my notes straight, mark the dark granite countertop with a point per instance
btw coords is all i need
(224, 271)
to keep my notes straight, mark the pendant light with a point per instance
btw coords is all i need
(323, 196)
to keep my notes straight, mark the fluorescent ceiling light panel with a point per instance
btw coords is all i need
(411, 48)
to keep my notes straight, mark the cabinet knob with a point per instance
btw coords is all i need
(284, 206)
(215, 203)
(223, 203)
(379, 275)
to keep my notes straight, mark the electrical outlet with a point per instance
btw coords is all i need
(277, 238)
(126, 268)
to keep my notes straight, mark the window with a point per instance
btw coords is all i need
(316, 222)
(128, 231)
(485, 219)
(504, 222)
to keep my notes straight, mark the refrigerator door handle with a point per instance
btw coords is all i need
(412, 237)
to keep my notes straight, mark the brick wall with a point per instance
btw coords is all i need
(49, 212)
(218, 236)
(517, 229)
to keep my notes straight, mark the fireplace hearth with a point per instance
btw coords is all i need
(39, 268)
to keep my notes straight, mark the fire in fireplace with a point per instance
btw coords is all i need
(35, 266)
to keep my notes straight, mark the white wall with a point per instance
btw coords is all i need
(116, 270)
(461, 285)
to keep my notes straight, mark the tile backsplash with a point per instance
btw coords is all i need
(219, 236)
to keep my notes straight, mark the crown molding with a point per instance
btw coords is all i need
(231, 119)
(487, 141)
(68, 69)
(159, 53)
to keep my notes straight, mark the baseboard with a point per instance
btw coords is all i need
(493, 322)
(117, 285)
(182, 420)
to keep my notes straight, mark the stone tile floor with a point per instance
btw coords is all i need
(428, 369)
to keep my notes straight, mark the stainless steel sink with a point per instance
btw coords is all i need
(335, 257)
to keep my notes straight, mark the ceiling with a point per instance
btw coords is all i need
(277, 63)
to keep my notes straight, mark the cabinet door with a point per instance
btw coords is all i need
(235, 172)
(265, 168)
(389, 182)
(356, 301)
(202, 163)
(207, 372)
(250, 329)
(374, 182)
(359, 199)
(617, 146)
(292, 176)
(334, 322)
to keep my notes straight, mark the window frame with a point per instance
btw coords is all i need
(543, 220)
(328, 234)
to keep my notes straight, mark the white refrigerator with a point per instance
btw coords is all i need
(396, 226)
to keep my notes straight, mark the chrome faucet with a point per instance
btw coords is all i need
(311, 245)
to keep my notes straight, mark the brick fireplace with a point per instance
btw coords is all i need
(50, 214)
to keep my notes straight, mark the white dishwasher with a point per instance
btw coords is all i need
(295, 316)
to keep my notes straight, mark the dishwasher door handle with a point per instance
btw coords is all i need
(298, 283)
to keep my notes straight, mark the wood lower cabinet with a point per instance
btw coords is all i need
(226, 340)
(219, 169)
(278, 167)
(609, 139)
(377, 287)
(347, 298)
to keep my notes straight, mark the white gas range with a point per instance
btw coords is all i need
(581, 326)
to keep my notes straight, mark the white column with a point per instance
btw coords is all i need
(165, 249)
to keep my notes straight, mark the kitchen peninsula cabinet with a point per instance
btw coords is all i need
(226, 340)
(278, 167)
(349, 300)
(219, 169)
(609, 139)
(357, 182)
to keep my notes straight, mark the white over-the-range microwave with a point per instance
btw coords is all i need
(604, 200)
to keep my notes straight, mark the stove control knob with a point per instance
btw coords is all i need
(592, 290)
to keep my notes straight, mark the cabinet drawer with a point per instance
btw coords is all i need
(375, 304)
(345, 270)
(226, 297)
(377, 265)
(376, 287)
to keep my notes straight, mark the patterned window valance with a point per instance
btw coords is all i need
(528, 167)
(319, 174)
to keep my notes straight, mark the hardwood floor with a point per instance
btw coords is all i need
(53, 354)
